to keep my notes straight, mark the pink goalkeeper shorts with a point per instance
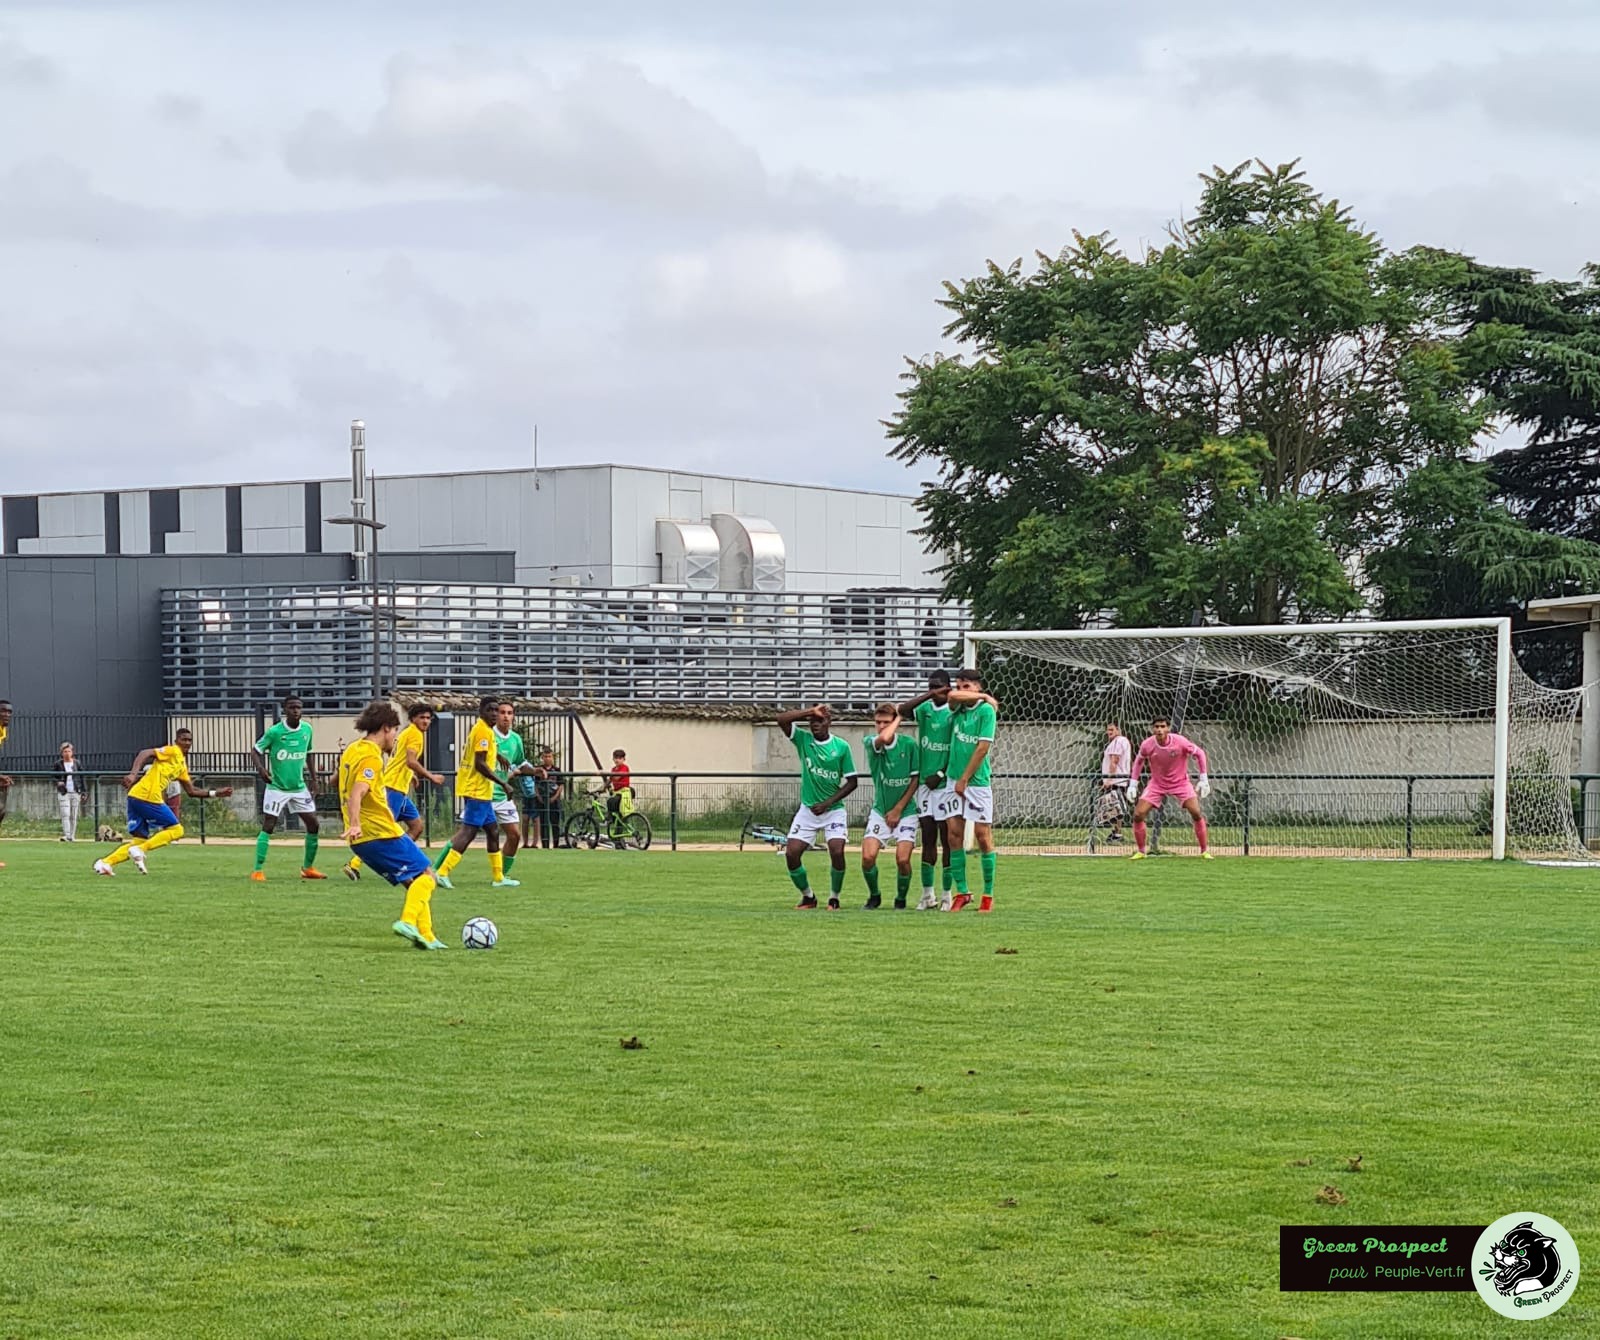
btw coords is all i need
(1156, 794)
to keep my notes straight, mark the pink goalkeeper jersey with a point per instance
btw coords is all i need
(1169, 762)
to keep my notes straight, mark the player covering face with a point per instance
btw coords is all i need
(971, 740)
(827, 777)
(895, 764)
(936, 801)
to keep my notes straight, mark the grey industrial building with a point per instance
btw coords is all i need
(592, 525)
(601, 581)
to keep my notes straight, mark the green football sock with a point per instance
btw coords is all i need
(262, 840)
(312, 839)
(871, 874)
(798, 876)
(949, 879)
(836, 879)
(927, 875)
(440, 858)
(902, 886)
(507, 864)
(986, 860)
(958, 870)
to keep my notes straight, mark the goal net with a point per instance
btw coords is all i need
(1357, 740)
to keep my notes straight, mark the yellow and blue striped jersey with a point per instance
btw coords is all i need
(396, 776)
(363, 762)
(169, 766)
(470, 783)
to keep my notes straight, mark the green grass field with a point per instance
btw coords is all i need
(241, 1111)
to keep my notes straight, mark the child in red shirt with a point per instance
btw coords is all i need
(619, 782)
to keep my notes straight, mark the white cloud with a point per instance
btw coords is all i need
(21, 68)
(606, 132)
(704, 233)
(177, 109)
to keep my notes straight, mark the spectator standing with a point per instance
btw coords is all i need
(5, 782)
(548, 786)
(1116, 760)
(69, 792)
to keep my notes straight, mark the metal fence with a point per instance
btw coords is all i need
(1386, 816)
(107, 742)
(225, 649)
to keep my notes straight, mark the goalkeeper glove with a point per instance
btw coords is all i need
(1133, 789)
(1203, 786)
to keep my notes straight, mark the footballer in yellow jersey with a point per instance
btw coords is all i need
(151, 822)
(374, 833)
(400, 774)
(5, 782)
(475, 782)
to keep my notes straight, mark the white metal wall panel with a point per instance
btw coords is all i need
(203, 514)
(596, 523)
(638, 498)
(135, 509)
(273, 518)
(467, 510)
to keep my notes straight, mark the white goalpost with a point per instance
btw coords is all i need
(1382, 739)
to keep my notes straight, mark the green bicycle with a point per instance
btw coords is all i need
(588, 828)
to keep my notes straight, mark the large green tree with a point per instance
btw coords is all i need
(1253, 423)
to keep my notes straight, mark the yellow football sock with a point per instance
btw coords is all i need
(450, 862)
(425, 908)
(417, 911)
(497, 864)
(165, 836)
(120, 855)
(355, 863)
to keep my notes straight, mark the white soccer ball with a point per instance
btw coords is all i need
(479, 933)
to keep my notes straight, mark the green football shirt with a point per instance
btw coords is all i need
(286, 748)
(934, 723)
(824, 764)
(893, 769)
(510, 751)
(970, 726)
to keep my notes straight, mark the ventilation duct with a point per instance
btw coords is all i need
(752, 553)
(690, 553)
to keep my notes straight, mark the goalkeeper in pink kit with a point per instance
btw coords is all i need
(1167, 753)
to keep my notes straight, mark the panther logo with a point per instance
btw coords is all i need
(1524, 1261)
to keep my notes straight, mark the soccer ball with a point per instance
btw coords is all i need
(479, 933)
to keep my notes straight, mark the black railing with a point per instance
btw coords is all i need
(1379, 814)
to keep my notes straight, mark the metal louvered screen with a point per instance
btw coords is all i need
(226, 649)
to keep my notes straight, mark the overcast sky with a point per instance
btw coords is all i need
(701, 233)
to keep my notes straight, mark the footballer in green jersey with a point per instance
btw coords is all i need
(935, 800)
(895, 762)
(511, 760)
(283, 762)
(971, 740)
(827, 777)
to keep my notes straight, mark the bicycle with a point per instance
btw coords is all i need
(587, 827)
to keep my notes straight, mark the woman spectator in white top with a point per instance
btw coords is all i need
(69, 792)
